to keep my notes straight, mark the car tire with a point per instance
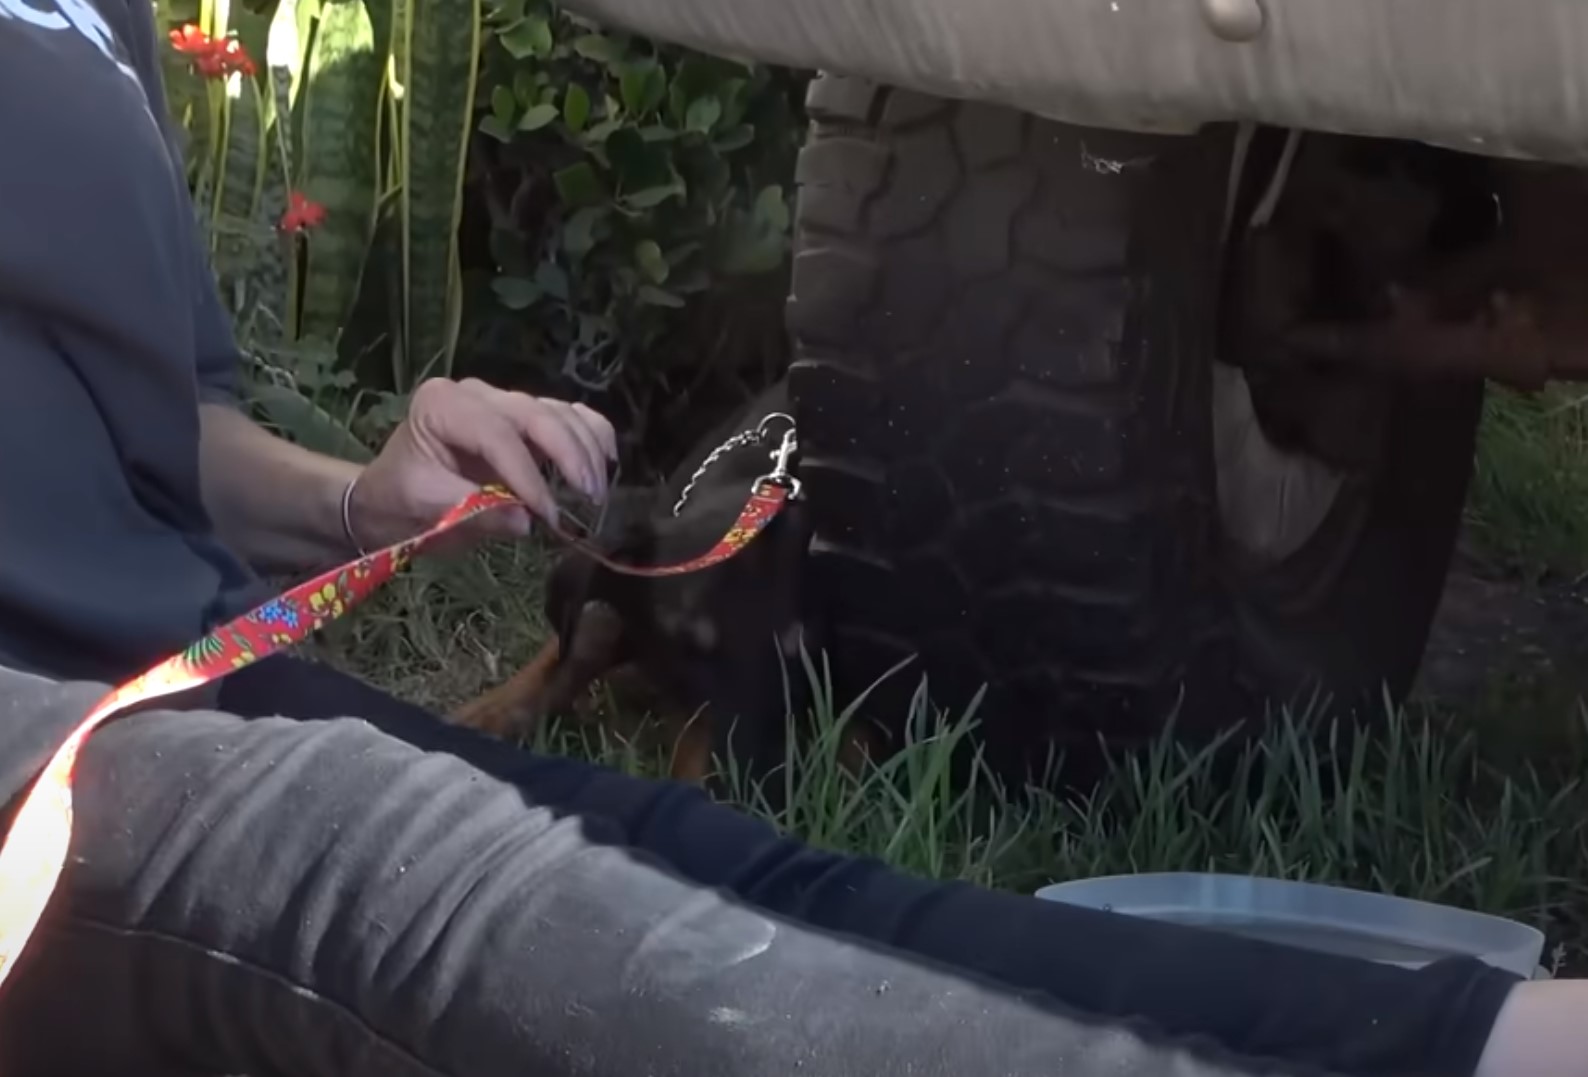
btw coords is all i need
(1005, 382)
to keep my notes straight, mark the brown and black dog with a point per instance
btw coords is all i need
(719, 649)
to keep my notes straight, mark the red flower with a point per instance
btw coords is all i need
(189, 40)
(301, 213)
(238, 59)
(213, 58)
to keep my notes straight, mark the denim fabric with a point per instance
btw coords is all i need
(325, 895)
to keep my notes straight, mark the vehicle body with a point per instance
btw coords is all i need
(1140, 344)
(1502, 79)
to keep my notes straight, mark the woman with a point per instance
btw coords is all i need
(300, 875)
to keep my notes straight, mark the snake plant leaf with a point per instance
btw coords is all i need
(241, 174)
(251, 25)
(342, 103)
(240, 179)
(307, 423)
(441, 51)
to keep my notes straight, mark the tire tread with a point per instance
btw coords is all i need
(1006, 481)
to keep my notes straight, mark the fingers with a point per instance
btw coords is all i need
(601, 427)
(490, 436)
(510, 434)
(504, 522)
(591, 453)
(576, 440)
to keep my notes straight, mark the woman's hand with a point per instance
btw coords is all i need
(461, 435)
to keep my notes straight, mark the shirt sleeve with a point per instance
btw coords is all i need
(217, 357)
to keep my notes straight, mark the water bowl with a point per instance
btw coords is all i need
(1332, 919)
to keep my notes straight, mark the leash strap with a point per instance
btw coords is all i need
(35, 849)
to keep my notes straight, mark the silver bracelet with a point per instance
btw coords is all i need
(347, 516)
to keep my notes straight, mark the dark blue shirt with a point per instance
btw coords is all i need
(111, 334)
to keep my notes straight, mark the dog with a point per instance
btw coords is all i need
(719, 649)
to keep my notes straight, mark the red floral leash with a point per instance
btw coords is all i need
(34, 851)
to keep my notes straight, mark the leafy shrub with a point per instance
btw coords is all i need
(623, 189)
(615, 191)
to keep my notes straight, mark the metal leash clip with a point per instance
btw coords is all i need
(782, 455)
(780, 475)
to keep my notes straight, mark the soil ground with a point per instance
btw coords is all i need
(1502, 645)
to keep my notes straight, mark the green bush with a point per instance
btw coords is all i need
(623, 180)
(614, 183)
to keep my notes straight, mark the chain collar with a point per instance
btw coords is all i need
(758, 435)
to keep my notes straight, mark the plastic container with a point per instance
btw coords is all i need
(1333, 919)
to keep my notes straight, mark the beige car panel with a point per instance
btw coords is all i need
(1500, 77)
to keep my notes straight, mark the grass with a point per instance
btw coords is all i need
(1452, 807)
(1529, 503)
(1423, 810)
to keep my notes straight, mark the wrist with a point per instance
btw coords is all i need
(350, 533)
(277, 504)
(323, 493)
(368, 516)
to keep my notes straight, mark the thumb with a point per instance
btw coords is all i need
(506, 522)
(501, 521)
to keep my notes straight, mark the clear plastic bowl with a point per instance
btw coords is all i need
(1333, 919)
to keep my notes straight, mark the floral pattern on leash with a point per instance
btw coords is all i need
(35, 849)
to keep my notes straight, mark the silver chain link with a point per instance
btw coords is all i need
(754, 436)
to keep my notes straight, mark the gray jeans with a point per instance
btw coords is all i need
(326, 896)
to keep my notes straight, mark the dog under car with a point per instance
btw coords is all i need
(716, 653)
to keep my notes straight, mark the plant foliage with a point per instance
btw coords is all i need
(612, 186)
(622, 180)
